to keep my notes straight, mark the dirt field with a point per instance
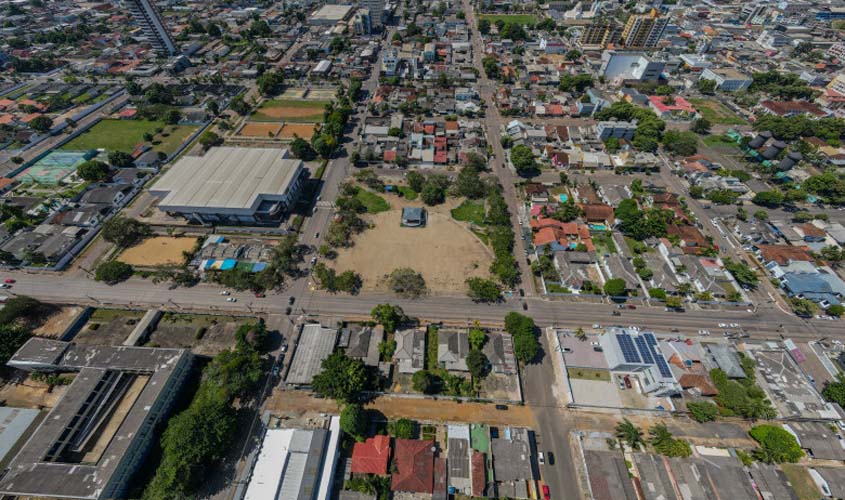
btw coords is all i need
(258, 129)
(293, 94)
(302, 130)
(445, 252)
(56, 323)
(181, 331)
(31, 394)
(158, 251)
(290, 110)
(321, 94)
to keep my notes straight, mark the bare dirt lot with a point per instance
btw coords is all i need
(31, 394)
(55, 323)
(257, 129)
(158, 251)
(205, 335)
(302, 130)
(445, 252)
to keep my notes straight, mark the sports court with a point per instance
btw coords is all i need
(54, 167)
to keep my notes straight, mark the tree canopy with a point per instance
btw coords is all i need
(342, 378)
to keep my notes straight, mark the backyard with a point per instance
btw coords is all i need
(124, 135)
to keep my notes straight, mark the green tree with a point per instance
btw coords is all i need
(777, 445)
(120, 159)
(680, 143)
(342, 378)
(743, 274)
(469, 184)
(406, 282)
(483, 290)
(665, 444)
(41, 124)
(483, 26)
(706, 86)
(703, 411)
(125, 232)
(353, 421)
(209, 139)
(769, 199)
(12, 337)
(477, 338)
(630, 434)
(94, 171)
(113, 272)
(523, 160)
(424, 382)
(415, 180)
(402, 429)
(615, 287)
(836, 310)
(389, 316)
(240, 106)
(522, 329)
(302, 149)
(701, 126)
(477, 364)
(386, 349)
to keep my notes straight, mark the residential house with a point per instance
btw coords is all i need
(371, 456)
(452, 350)
(414, 466)
(410, 350)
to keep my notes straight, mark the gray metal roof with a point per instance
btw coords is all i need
(227, 178)
(14, 423)
(315, 344)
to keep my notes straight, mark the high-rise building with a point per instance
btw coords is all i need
(598, 34)
(376, 8)
(153, 27)
(644, 31)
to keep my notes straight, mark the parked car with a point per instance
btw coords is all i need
(9, 281)
(225, 292)
(501, 407)
(288, 310)
(291, 300)
(231, 299)
(550, 458)
(541, 458)
(546, 494)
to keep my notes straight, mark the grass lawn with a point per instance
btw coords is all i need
(373, 202)
(716, 112)
(123, 135)
(514, 18)
(717, 141)
(588, 374)
(632, 244)
(801, 482)
(470, 211)
(407, 193)
(557, 288)
(604, 243)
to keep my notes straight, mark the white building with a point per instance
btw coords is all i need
(638, 353)
(617, 66)
(727, 80)
(389, 62)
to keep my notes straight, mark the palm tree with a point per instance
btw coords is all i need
(630, 434)
(580, 334)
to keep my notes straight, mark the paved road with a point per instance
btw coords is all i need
(492, 128)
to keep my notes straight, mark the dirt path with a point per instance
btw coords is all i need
(300, 403)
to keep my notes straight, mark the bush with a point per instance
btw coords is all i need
(402, 429)
(94, 171)
(615, 287)
(703, 411)
(776, 444)
(526, 347)
(407, 283)
(113, 272)
(424, 382)
(483, 290)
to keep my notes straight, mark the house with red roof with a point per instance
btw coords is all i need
(561, 235)
(672, 107)
(371, 456)
(414, 460)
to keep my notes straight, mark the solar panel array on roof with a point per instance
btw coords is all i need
(659, 360)
(645, 352)
(629, 352)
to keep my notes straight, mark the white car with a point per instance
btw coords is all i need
(722, 325)
(225, 292)
(734, 325)
(231, 299)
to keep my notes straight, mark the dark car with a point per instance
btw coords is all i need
(550, 458)
(287, 311)
(291, 300)
(524, 306)
(501, 407)
(617, 313)
(631, 306)
(521, 292)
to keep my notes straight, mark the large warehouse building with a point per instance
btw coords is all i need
(100, 432)
(230, 185)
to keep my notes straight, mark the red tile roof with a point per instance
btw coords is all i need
(390, 155)
(784, 254)
(597, 212)
(479, 481)
(414, 466)
(371, 456)
(680, 104)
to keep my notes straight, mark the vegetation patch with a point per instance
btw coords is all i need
(469, 211)
(528, 19)
(588, 374)
(372, 202)
(716, 112)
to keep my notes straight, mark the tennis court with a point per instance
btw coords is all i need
(54, 167)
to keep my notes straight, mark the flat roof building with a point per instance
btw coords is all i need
(100, 432)
(295, 464)
(330, 14)
(231, 185)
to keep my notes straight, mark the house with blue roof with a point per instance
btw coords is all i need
(823, 288)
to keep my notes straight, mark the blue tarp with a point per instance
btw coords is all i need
(228, 264)
(258, 267)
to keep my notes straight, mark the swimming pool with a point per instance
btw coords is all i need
(563, 198)
(598, 227)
